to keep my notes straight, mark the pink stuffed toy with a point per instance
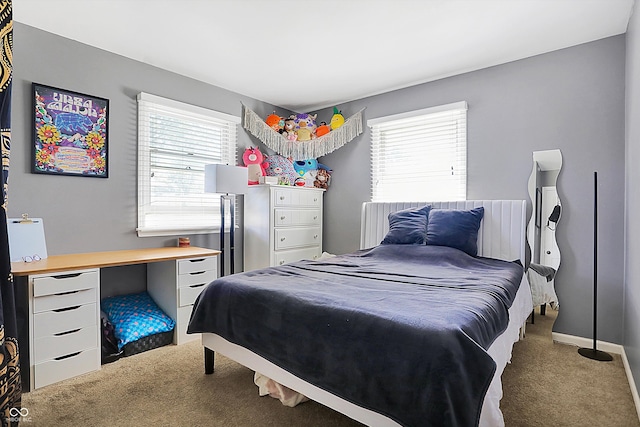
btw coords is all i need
(254, 161)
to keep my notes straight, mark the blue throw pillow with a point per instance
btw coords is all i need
(407, 227)
(455, 228)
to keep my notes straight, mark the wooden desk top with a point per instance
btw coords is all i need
(81, 261)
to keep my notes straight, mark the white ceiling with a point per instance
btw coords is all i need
(304, 55)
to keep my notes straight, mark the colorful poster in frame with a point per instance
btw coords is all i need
(70, 133)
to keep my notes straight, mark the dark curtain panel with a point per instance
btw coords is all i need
(10, 383)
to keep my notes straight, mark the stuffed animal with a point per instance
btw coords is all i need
(282, 168)
(303, 166)
(305, 126)
(254, 161)
(323, 129)
(274, 121)
(306, 169)
(323, 179)
(289, 130)
(337, 120)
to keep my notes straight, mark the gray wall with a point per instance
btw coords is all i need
(572, 99)
(632, 244)
(92, 214)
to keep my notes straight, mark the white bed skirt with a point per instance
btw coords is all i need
(491, 415)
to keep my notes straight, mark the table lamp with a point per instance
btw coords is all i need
(228, 181)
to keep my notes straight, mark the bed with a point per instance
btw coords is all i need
(447, 356)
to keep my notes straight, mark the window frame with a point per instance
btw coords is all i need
(458, 151)
(203, 208)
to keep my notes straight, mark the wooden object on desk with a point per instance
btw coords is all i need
(107, 259)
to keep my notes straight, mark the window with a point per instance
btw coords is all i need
(175, 141)
(420, 155)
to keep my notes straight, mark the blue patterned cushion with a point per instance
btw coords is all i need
(455, 228)
(135, 316)
(408, 227)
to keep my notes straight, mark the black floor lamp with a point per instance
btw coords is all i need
(228, 181)
(594, 353)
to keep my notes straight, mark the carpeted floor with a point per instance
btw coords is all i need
(547, 384)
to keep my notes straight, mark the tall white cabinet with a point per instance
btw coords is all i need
(282, 224)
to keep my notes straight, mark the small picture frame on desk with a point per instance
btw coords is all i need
(70, 133)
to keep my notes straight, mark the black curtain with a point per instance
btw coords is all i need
(11, 410)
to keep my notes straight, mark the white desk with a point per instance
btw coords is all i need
(58, 304)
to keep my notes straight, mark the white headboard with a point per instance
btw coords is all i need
(501, 235)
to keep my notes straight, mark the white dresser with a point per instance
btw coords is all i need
(64, 312)
(282, 224)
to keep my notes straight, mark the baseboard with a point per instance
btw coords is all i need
(632, 383)
(609, 348)
(586, 343)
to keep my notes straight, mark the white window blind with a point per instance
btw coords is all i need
(175, 141)
(420, 155)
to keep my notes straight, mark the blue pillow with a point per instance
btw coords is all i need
(455, 228)
(407, 227)
(135, 316)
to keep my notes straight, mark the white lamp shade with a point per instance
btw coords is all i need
(225, 179)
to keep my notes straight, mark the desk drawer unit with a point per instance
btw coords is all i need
(175, 285)
(283, 224)
(64, 325)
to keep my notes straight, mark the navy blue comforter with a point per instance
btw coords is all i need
(399, 329)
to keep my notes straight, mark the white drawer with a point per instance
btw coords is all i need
(197, 278)
(46, 348)
(296, 217)
(53, 322)
(56, 284)
(64, 300)
(181, 336)
(53, 371)
(196, 264)
(187, 294)
(296, 237)
(284, 257)
(297, 197)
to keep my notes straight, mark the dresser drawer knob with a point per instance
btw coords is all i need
(315, 199)
(315, 236)
(282, 218)
(281, 197)
(281, 262)
(282, 239)
(315, 217)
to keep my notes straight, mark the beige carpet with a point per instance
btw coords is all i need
(547, 384)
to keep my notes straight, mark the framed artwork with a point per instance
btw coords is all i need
(538, 208)
(70, 134)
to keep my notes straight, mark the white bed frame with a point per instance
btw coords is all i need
(501, 235)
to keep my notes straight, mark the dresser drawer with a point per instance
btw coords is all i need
(187, 294)
(296, 217)
(295, 237)
(197, 278)
(53, 322)
(297, 197)
(57, 284)
(181, 336)
(284, 257)
(64, 300)
(52, 371)
(46, 348)
(196, 264)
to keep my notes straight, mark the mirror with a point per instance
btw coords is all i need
(541, 230)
